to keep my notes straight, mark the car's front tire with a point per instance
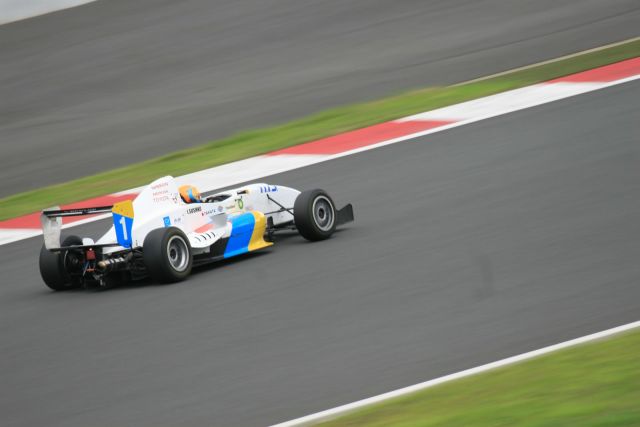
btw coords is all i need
(167, 255)
(314, 215)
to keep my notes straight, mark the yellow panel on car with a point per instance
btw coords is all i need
(124, 208)
(257, 237)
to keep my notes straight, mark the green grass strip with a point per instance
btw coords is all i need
(330, 122)
(595, 384)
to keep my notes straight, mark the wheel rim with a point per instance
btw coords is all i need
(178, 253)
(323, 214)
(72, 262)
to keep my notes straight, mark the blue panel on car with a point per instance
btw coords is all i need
(123, 226)
(241, 230)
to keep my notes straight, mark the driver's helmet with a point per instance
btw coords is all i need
(190, 194)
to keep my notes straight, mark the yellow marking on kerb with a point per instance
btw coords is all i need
(257, 237)
(124, 208)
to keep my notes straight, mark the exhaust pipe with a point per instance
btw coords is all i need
(114, 264)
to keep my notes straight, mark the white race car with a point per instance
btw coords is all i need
(167, 230)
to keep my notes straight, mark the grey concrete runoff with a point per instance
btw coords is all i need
(117, 81)
(469, 246)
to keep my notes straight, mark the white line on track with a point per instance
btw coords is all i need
(465, 113)
(344, 409)
(8, 235)
(549, 61)
(515, 107)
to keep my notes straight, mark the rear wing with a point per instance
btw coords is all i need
(51, 220)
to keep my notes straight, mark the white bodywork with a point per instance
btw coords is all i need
(160, 205)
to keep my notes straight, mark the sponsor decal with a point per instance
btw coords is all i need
(214, 210)
(160, 185)
(268, 188)
(160, 192)
(194, 210)
(240, 203)
(167, 221)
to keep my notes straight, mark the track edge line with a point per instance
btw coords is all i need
(337, 411)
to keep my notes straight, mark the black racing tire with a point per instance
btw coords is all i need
(167, 255)
(52, 267)
(314, 215)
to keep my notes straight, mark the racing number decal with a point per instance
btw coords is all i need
(123, 222)
(123, 231)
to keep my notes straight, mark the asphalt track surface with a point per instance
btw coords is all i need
(469, 245)
(115, 81)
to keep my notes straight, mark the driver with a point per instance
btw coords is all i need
(190, 194)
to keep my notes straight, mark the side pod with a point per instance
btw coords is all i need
(247, 234)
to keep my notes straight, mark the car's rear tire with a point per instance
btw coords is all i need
(315, 215)
(167, 255)
(54, 270)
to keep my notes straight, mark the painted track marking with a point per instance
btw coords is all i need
(368, 138)
(350, 407)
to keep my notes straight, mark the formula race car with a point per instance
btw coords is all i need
(167, 230)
